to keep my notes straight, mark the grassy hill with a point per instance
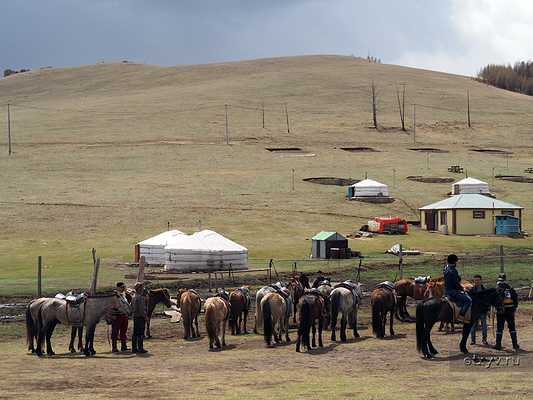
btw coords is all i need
(106, 154)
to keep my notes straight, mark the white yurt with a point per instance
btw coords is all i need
(469, 186)
(204, 251)
(153, 249)
(368, 188)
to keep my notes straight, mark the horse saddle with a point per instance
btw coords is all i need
(350, 286)
(195, 292)
(385, 285)
(422, 280)
(223, 294)
(456, 310)
(71, 298)
(314, 292)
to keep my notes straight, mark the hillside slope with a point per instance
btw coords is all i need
(107, 154)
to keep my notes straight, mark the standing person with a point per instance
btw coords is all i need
(452, 285)
(506, 313)
(139, 319)
(478, 287)
(119, 323)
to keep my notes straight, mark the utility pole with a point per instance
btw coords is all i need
(394, 177)
(287, 118)
(9, 128)
(263, 112)
(374, 107)
(292, 182)
(227, 123)
(414, 123)
(468, 107)
(401, 105)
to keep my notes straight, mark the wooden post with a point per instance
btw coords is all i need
(263, 112)
(270, 271)
(93, 252)
(400, 262)
(9, 128)
(287, 118)
(142, 267)
(292, 181)
(414, 123)
(209, 281)
(468, 107)
(168, 225)
(39, 276)
(374, 106)
(502, 262)
(94, 280)
(227, 123)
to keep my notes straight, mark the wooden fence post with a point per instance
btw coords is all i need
(209, 281)
(142, 267)
(39, 276)
(400, 262)
(502, 262)
(94, 280)
(270, 271)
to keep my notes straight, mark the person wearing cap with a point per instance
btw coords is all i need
(119, 323)
(478, 287)
(139, 319)
(452, 285)
(506, 313)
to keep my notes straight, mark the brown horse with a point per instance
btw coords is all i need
(217, 311)
(240, 303)
(297, 291)
(408, 288)
(274, 310)
(154, 297)
(312, 308)
(190, 304)
(383, 301)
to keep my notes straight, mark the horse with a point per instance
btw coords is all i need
(275, 312)
(217, 311)
(32, 322)
(435, 288)
(89, 313)
(312, 308)
(190, 304)
(297, 290)
(240, 303)
(345, 301)
(436, 309)
(408, 288)
(277, 287)
(382, 302)
(155, 296)
(325, 290)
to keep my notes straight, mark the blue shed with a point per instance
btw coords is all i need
(507, 225)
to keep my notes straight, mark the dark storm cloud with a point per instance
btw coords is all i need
(70, 32)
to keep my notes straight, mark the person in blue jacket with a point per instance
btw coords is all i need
(452, 285)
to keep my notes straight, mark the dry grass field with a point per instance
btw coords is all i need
(366, 368)
(106, 154)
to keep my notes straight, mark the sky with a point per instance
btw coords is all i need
(457, 36)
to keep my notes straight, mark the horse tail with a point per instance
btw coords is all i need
(306, 320)
(211, 322)
(377, 317)
(420, 327)
(335, 305)
(268, 327)
(30, 328)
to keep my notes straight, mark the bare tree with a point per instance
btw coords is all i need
(401, 104)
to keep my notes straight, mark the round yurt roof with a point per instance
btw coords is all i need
(369, 183)
(470, 181)
(161, 239)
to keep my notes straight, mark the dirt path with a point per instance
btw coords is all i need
(363, 368)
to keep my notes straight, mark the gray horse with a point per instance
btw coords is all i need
(44, 314)
(344, 299)
(274, 288)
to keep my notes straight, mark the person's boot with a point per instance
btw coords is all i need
(498, 345)
(140, 348)
(123, 346)
(114, 346)
(134, 344)
(514, 338)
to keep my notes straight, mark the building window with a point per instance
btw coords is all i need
(479, 214)
(444, 217)
(508, 212)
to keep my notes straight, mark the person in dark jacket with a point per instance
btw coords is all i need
(452, 285)
(119, 324)
(506, 313)
(478, 287)
(139, 319)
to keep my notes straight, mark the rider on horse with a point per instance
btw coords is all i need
(452, 285)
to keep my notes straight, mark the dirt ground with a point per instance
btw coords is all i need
(364, 368)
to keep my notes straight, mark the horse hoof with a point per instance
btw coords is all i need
(39, 354)
(50, 353)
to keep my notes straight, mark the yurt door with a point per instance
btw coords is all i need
(431, 220)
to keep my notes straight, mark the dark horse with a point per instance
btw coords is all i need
(383, 301)
(239, 301)
(429, 312)
(312, 308)
(155, 297)
(408, 288)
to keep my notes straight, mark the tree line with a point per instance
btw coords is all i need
(517, 77)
